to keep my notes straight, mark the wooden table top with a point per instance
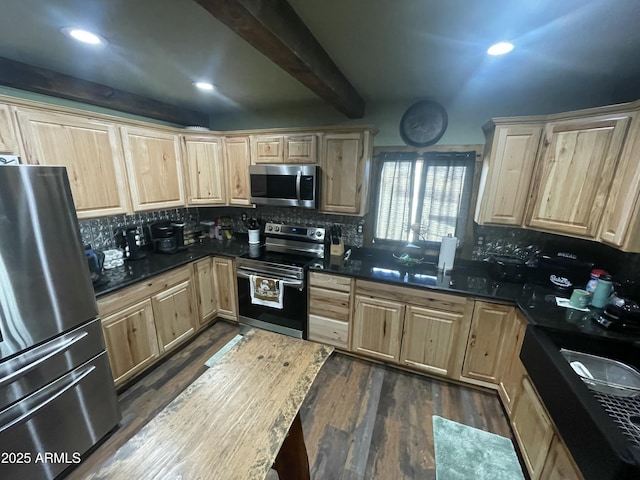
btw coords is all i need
(231, 422)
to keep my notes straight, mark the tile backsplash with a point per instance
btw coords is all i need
(294, 216)
(101, 232)
(504, 240)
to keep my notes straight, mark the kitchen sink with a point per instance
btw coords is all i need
(596, 433)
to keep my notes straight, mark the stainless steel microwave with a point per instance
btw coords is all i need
(285, 185)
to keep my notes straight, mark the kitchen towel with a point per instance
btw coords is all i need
(447, 253)
(266, 291)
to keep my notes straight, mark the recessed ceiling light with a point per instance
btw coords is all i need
(500, 48)
(84, 36)
(206, 86)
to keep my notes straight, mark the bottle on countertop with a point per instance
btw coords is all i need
(593, 281)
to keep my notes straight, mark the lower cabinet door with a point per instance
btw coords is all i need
(486, 347)
(431, 341)
(560, 464)
(175, 315)
(130, 336)
(533, 429)
(207, 298)
(377, 328)
(225, 278)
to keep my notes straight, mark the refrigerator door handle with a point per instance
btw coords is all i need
(40, 355)
(57, 388)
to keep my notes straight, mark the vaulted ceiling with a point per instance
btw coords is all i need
(350, 53)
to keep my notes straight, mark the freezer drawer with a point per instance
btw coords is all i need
(49, 430)
(22, 375)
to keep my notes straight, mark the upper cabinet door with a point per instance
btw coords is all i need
(153, 168)
(8, 141)
(204, 162)
(301, 149)
(507, 172)
(238, 156)
(345, 165)
(90, 149)
(574, 174)
(267, 149)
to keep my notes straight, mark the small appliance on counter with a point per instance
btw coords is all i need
(133, 244)
(167, 237)
(562, 272)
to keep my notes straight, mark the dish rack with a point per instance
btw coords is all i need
(615, 385)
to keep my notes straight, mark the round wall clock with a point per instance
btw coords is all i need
(423, 123)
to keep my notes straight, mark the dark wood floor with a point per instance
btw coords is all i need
(361, 420)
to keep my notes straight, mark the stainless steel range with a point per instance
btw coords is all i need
(272, 283)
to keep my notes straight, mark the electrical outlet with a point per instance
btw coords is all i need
(244, 217)
(359, 228)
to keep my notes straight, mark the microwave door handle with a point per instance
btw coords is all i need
(298, 180)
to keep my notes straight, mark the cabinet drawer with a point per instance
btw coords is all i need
(329, 304)
(143, 289)
(326, 330)
(332, 282)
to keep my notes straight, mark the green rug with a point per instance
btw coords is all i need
(464, 452)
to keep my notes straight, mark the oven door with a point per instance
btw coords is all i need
(290, 320)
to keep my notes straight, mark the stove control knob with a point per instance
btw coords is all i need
(318, 234)
(277, 228)
(269, 228)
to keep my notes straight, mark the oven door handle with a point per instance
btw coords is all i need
(298, 181)
(299, 284)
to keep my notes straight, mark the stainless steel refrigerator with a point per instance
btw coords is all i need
(57, 397)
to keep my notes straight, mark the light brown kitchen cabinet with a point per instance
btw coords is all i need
(434, 340)
(377, 328)
(346, 163)
(533, 429)
(144, 321)
(154, 168)
(205, 172)
(560, 464)
(301, 149)
(206, 289)
(620, 226)
(267, 149)
(574, 173)
(511, 378)
(175, 315)
(286, 148)
(330, 302)
(507, 172)
(89, 149)
(238, 155)
(131, 340)
(9, 143)
(224, 270)
(486, 349)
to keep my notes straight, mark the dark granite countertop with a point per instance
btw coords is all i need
(469, 278)
(156, 263)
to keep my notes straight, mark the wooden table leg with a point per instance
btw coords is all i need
(292, 462)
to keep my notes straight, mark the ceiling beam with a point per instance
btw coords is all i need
(275, 29)
(41, 80)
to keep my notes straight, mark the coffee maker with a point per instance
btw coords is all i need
(167, 237)
(133, 244)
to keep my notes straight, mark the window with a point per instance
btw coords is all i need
(430, 191)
